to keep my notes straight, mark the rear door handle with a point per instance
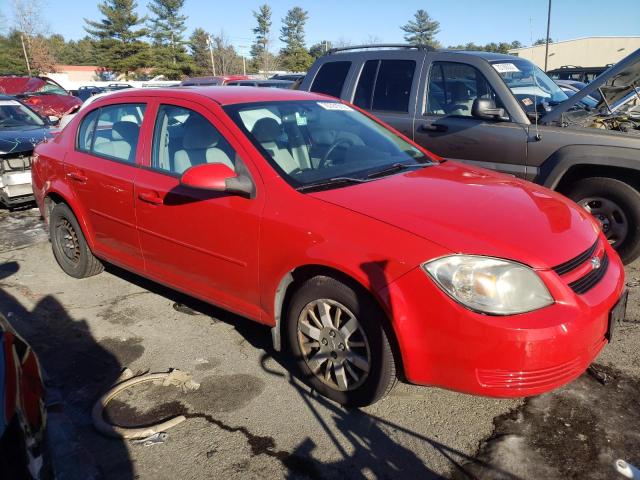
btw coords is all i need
(78, 177)
(151, 198)
(432, 127)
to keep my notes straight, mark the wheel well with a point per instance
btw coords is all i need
(579, 172)
(50, 201)
(295, 278)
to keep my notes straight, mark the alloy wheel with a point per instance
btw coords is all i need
(333, 344)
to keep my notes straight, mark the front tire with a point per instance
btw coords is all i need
(337, 337)
(616, 205)
(69, 245)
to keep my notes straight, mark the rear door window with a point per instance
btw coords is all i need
(364, 91)
(330, 78)
(112, 131)
(393, 85)
(385, 85)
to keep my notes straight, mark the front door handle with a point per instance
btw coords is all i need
(78, 177)
(152, 198)
(432, 127)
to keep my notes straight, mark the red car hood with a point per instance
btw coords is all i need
(53, 104)
(474, 211)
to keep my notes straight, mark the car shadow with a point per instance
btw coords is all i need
(76, 369)
(366, 448)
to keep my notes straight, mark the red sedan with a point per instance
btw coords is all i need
(369, 257)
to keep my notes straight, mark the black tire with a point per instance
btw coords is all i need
(623, 196)
(381, 375)
(69, 245)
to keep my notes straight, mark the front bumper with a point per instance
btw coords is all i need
(15, 180)
(444, 344)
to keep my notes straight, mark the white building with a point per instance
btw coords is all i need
(581, 52)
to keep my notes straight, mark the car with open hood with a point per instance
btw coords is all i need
(43, 94)
(21, 129)
(368, 256)
(504, 113)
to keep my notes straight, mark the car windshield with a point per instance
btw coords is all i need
(324, 142)
(50, 87)
(14, 114)
(531, 86)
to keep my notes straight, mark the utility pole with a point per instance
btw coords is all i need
(244, 66)
(26, 57)
(546, 49)
(213, 65)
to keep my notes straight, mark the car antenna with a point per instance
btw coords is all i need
(538, 137)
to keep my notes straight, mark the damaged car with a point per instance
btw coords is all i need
(42, 94)
(504, 113)
(21, 129)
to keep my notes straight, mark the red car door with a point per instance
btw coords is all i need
(101, 170)
(202, 242)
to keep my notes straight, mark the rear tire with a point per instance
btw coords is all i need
(616, 205)
(69, 245)
(337, 337)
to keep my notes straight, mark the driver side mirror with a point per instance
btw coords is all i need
(485, 109)
(217, 177)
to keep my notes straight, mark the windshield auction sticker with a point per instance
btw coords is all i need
(505, 67)
(335, 106)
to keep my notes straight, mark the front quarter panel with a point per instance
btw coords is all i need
(299, 230)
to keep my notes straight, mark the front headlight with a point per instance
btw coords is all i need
(489, 285)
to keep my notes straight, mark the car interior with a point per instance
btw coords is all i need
(308, 143)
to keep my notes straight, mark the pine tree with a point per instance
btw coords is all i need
(294, 55)
(261, 31)
(118, 42)
(166, 28)
(199, 46)
(422, 30)
(319, 49)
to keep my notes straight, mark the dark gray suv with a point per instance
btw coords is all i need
(504, 113)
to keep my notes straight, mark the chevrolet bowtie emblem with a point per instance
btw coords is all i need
(595, 263)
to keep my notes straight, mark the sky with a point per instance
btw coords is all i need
(363, 21)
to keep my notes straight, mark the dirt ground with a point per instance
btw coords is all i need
(251, 419)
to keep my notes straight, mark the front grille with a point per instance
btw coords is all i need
(574, 263)
(586, 283)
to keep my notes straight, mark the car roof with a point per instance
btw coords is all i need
(223, 95)
(488, 56)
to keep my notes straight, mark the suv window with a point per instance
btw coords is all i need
(112, 131)
(330, 78)
(453, 87)
(183, 138)
(385, 85)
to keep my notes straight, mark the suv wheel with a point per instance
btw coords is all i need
(69, 245)
(616, 205)
(339, 344)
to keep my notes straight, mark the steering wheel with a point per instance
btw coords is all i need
(330, 150)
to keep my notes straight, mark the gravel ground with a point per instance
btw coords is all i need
(251, 419)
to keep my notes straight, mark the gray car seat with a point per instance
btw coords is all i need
(200, 145)
(124, 139)
(267, 131)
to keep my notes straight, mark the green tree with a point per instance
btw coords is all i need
(166, 28)
(542, 41)
(294, 56)
(199, 46)
(261, 57)
(119, 44)
(11, 56)
(422, 30)
(319, 49)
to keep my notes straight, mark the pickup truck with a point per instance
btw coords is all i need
(504, 113)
